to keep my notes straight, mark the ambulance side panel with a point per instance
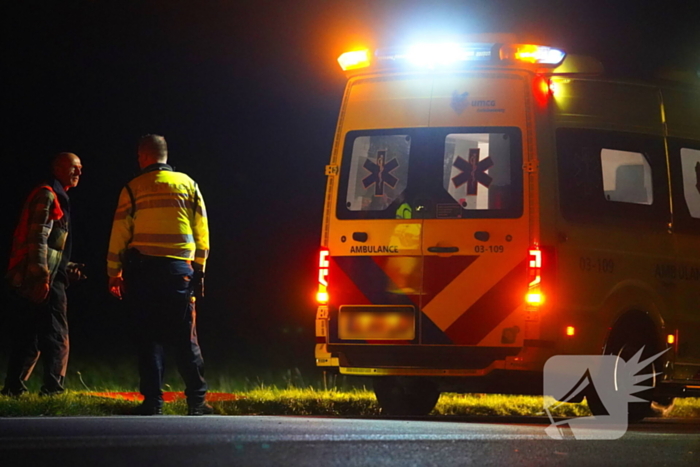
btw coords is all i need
(612, 231)
(682, 112)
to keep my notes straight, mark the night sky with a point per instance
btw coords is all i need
(247, 95)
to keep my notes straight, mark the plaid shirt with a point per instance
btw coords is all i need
(39, 240)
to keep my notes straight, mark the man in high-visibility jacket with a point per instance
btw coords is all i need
(157, 253)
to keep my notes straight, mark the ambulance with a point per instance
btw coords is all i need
(491, 204)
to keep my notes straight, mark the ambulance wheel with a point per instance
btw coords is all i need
(405, 396)
(631, 333)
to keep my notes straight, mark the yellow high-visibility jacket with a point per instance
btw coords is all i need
(165, 217)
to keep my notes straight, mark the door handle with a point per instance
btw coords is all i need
(443, 249)
(360, 236)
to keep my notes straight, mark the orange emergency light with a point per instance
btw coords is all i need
(354, 60)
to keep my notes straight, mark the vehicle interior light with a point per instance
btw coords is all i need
(570, 330)
(354, 60)
(531, 53)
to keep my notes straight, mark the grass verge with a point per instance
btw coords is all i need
(294, 401)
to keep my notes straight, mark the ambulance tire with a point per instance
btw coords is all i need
(397, 396)
(630, 334)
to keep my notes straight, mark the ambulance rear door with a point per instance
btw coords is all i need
(475, 231)
(374, 239)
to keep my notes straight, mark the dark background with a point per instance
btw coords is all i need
(247, 95)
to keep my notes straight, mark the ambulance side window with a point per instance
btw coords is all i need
(626, 177)
(690, 164)
(685, 181)
(612, 177)
(378, 172)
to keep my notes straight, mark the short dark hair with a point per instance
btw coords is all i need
(154, 145)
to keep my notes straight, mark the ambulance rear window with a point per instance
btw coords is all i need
(431, 173)
(378, 171)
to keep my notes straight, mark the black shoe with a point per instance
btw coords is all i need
(200, 409)
(147, 409)
(12, 392)
(44, 393)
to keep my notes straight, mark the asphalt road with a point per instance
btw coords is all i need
(271, 441)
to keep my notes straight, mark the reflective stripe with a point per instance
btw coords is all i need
(150, 250)
(162, 238)
(162, 194)
(113, 257)
(201, 253)
(164, 203)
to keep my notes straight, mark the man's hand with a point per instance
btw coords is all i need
(198, 279)
(39, 292)
(116, 286)
(75, 272)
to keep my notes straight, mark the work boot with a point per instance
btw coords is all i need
(147, 409)
(200, 409)
(10, 392)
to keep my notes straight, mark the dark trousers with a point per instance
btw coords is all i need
(159, 292)
(38, 331)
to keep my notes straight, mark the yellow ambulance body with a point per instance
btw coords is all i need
(490, 205)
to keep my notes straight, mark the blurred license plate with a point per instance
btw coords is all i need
(377, 322)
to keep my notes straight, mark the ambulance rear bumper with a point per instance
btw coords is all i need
(420, 356)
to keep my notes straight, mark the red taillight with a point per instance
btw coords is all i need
(534, 296)
(542, 89)
(322, 294)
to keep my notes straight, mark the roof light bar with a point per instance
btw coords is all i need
(451, 54)
(531, 53)
(354, 60)
(431, 55)
(439, 54)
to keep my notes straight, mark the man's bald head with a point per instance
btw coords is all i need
(152, 149)
(67, 169)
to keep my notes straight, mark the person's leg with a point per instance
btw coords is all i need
(143, 301)
(53, 340)
(24, 351)
(183, 333)
(151, 369)
(189, 361)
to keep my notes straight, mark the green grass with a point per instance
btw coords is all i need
(281, 392)
(297, 401)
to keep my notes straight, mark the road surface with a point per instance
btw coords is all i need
(250, 440)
